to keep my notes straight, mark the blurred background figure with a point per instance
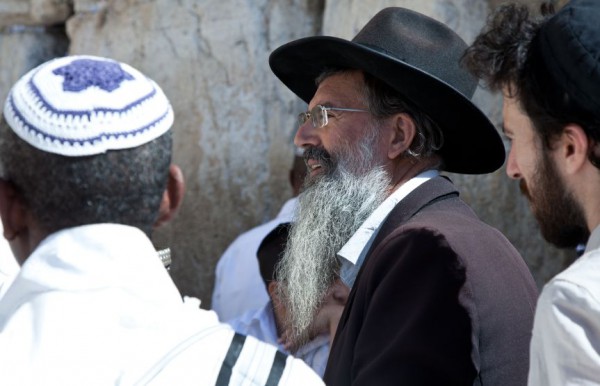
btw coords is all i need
(267, 323)
(238, 285)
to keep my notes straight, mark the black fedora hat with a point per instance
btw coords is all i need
(420, 58)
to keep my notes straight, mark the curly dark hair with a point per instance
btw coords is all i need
(499, 52)
(506, 57)
(119, 186)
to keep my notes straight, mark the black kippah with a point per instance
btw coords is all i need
(569, 43)
(270, 252)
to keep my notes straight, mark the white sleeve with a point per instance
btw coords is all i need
(238, 284)
(565, 346)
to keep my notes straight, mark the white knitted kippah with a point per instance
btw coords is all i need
(86, 105)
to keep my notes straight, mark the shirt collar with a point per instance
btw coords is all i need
(287, 212)
(358, 245)
(594, 240)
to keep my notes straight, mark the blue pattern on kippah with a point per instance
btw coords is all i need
(86, 113)
(83, 73)
(91, 140)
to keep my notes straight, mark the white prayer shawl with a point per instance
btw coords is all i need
(8, 264)
(261, 325)
(93, 305)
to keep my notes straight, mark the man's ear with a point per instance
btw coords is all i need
(402, 134)
(272, 288)
(172, 197)
(573, 147)
(12, 210)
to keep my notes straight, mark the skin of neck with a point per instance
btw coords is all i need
(408, 167)
(585, 189)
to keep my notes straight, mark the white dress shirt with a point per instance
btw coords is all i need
(238, 285)
(93, 305)
(354, 251)
(565, 346)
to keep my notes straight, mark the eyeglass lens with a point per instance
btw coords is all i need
(317, 116)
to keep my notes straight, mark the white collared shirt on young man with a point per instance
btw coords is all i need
(565, 346)
(354, 251)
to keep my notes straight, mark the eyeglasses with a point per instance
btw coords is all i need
(318, 115)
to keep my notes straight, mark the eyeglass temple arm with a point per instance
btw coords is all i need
(343, 109)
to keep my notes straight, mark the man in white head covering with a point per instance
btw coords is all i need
(86, 174)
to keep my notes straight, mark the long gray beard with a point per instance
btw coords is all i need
(330, 211)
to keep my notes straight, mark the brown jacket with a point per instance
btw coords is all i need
(442, 299)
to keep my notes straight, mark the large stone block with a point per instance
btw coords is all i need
(345, 18)
(23, 48)
(233, 121)
(34, 12)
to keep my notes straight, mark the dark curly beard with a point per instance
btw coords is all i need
(561, 218)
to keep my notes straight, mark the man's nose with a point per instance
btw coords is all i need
(512, 167)
(306, 135)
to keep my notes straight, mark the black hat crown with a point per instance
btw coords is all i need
(423, 38)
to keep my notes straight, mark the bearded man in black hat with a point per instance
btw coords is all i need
(438, 297)
(549, 72)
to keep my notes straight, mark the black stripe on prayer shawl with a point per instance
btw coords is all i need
(276, 369)
(235, 348)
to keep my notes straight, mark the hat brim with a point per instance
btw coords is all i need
(471, 143)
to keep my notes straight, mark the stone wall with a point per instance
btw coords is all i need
(234, 121)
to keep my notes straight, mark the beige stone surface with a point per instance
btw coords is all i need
(344, 18)
(534, 5)
(34, 12)
(234, 120)
(23, 48)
